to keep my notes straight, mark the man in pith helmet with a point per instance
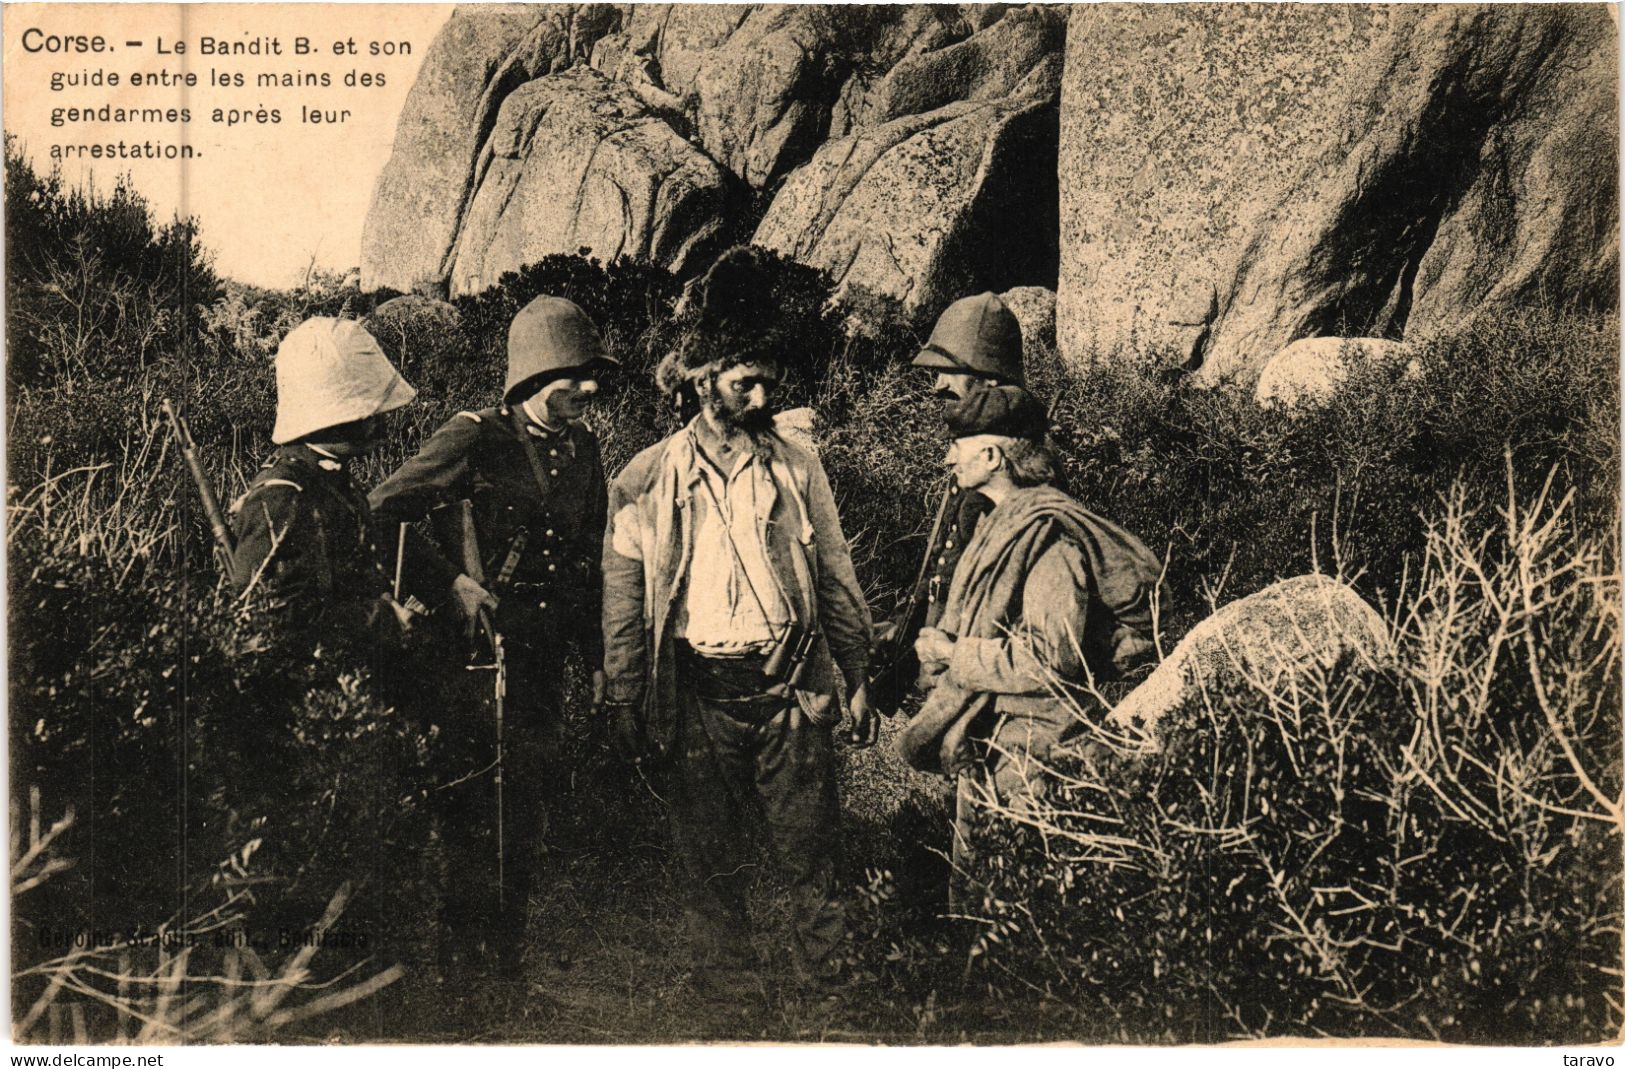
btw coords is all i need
(975, 344)
(305, 555)
(534, 476)
(977, 341)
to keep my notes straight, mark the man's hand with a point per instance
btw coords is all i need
(404, 614)
(865, 724)
(600, 685)
(470, 597)
(934, 647)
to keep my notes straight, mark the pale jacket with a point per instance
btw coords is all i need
(648, 548)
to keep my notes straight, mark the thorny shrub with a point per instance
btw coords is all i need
(1432, 851)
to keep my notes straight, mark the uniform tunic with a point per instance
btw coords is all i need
(965, 511)
(557, 505)
(481, 456)
(306, 558)
(897, 667)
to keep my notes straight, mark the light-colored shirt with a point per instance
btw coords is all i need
(727, 609)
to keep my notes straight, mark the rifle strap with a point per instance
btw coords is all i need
(923, 577)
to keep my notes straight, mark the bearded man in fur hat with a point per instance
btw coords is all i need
(733, 626)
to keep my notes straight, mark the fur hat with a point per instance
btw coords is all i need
(732, 318)
(329, 372)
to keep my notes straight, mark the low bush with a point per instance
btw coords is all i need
(93, 287)
(1430, 852)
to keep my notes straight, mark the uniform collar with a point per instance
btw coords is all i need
(315, 456)
(544, 427)
(525, 421)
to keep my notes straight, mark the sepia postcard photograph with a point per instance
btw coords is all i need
(907, 525)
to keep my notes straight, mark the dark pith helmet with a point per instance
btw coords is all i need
(1007, 411)
(976, 336)
(551, 338)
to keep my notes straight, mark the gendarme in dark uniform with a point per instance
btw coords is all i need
(535, 480)
(305, 557)
(481, 456)
(304, 550)
(976, 343)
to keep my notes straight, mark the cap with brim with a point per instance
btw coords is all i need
(1007, 411)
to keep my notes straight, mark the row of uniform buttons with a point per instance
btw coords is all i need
(936, 591)
(537, 432)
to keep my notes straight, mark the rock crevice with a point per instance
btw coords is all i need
(768, 99)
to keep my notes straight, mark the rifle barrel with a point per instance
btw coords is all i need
(205, 489)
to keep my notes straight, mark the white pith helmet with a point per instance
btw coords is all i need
(331, 371)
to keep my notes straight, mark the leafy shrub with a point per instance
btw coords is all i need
(165, 718)
(94, 289)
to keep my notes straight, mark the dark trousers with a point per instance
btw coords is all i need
(740, 749)
(472, 912)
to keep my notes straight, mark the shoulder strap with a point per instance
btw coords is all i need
(543, 483)
(237, 505)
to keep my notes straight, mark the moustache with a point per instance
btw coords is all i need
(760, 419)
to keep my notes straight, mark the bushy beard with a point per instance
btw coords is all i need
(755, 426)
(753, 422)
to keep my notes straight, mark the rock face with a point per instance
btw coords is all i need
(1297, 626)
(478, 58)
(911, 209)
(1181, 125)
(1450, 201)
(1321, 169)
(574, 161)
(1311, 369)
(1212, 181)
(954, 110)
(748, 80)
(951, 190)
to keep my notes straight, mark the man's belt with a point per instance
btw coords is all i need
(736, 679)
